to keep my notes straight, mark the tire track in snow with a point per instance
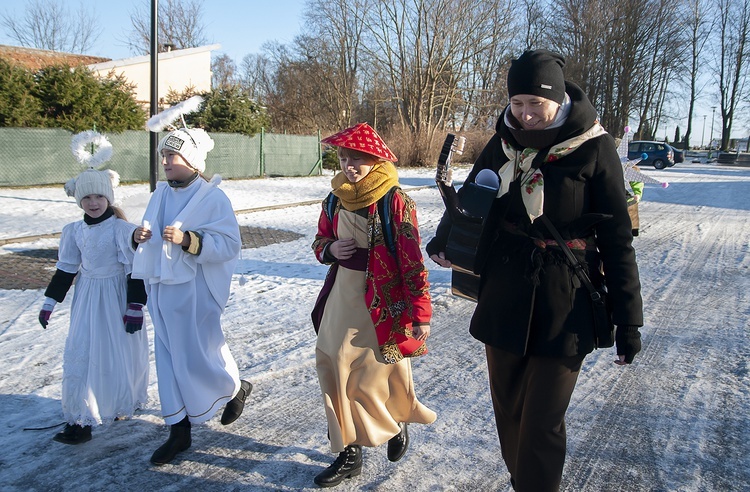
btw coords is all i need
(640, 432)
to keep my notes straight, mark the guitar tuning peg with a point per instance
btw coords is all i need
(460, 142)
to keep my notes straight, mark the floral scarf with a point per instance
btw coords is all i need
(354, 196)
(519, 166)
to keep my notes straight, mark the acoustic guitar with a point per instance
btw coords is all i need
(467, 212)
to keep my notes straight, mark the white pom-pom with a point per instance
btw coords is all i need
(202, 139)
(80, 148)
(70, 187)
(114, 178)
(159, 122)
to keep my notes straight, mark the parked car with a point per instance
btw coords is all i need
(679, 155)
(658, 154)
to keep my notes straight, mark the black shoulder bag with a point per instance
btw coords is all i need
(604, 329)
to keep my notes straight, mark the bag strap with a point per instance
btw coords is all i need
(572, 260)
(330, 205)
(386, 221)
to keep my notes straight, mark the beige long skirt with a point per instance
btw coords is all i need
(365, 399)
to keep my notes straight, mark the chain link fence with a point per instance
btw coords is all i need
(42, 156)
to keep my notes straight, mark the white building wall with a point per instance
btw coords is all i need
(177, 70)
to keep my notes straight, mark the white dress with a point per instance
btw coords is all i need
(105, 368)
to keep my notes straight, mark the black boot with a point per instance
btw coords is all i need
(234, 407)
(347, 465)
(179, 440)
(73, 434)
(398, 444)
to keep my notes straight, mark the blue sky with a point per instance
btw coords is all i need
(240, 26)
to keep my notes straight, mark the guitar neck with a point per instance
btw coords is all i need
(443, 176)
(444, 160)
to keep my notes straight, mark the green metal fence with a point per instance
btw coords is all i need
(42, 156)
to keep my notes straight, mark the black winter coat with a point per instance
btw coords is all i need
(530, 300)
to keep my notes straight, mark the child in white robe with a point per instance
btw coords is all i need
(188, 247)
(105, 363)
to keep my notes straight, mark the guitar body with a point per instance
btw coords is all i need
(467, 215)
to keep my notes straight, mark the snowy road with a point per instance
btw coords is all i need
(676, 420)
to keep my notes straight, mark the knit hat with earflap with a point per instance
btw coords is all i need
(91, 181)
(193, 144)
(539, 73)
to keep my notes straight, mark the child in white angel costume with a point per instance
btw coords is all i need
(105, 363)
(188, 248)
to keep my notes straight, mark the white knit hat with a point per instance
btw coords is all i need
(91, 181)
(193, 144)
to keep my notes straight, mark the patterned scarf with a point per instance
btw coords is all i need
(519, 166)
(354, 196)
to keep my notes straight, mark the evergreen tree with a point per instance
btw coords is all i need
(18, 106)
(226, 109)
(75, 99)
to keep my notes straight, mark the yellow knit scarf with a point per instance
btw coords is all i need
(369, 190)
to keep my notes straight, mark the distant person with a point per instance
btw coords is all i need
(557, 164)
(188, 247)
(105, 362)
(634, 194)
(374, 310)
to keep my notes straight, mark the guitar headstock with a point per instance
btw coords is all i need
(452, 144)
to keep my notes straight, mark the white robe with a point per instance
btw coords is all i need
(105, 369)
(187, 294)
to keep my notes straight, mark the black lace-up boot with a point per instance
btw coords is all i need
(74, 434)
(179, 440)
(347, 465)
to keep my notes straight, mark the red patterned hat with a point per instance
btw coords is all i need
(363, 138)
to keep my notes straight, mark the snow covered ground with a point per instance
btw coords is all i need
(676, 420)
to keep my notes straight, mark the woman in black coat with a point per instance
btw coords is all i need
(533, 315)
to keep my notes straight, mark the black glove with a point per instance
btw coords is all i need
(628, 340)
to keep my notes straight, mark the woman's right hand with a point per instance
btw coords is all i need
(343, 249)
(440, 260)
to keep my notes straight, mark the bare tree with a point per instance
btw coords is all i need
(732, 52)
(49, 25)
(483, 73)
(426, 48)
(255, 76)
(223, 72)
(179, 22)
(699, 28)
(334, 53)
(292, 100)
(623, 62)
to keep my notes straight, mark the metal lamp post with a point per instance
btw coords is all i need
(703, 135)
(153, 174)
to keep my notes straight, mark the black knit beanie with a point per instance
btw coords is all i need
(538, 72)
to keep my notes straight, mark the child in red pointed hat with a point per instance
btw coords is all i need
(374, 310)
